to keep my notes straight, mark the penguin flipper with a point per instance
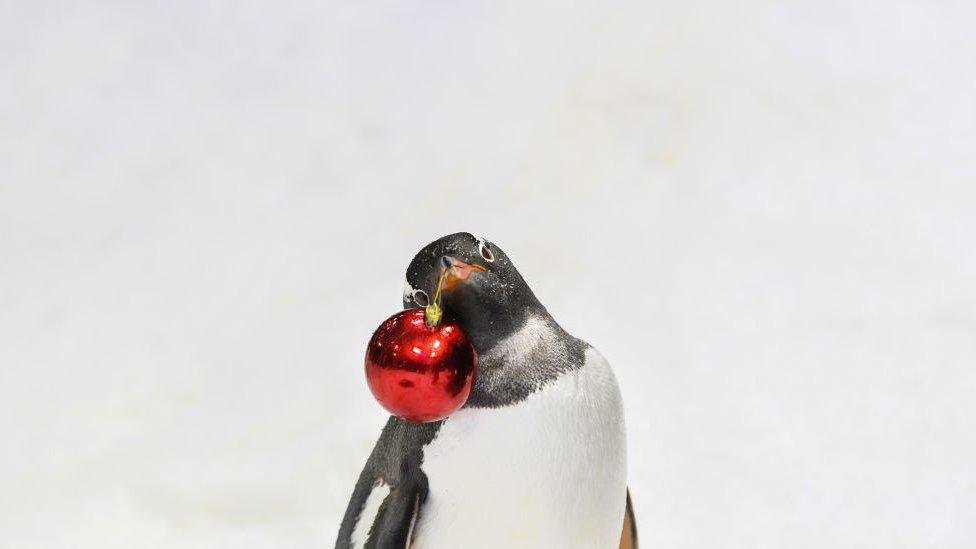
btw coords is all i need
(628, 536)
(394, 524)
(391, 490)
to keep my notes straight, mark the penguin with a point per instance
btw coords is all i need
(536, 457)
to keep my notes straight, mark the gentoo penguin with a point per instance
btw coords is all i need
(536, 457)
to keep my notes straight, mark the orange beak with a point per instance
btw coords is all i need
(459, 271)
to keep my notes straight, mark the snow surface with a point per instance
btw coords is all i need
(763, 214)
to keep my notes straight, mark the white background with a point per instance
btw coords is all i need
(763, 214)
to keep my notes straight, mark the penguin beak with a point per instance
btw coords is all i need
(457, 271)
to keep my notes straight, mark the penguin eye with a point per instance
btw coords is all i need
(421, 298)
(486, 253)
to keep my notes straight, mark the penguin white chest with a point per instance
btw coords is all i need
(549, 471)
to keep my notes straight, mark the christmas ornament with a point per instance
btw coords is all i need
(419, 366)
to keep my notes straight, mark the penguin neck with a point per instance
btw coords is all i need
(525, 359)
(495, 329)
(533, 332)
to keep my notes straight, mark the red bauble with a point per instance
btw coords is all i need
(419, 372)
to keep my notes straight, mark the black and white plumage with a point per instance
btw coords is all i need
(537, 456)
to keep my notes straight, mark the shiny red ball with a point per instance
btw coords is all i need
(418, 372)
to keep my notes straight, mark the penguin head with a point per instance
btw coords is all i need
(483, 291)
